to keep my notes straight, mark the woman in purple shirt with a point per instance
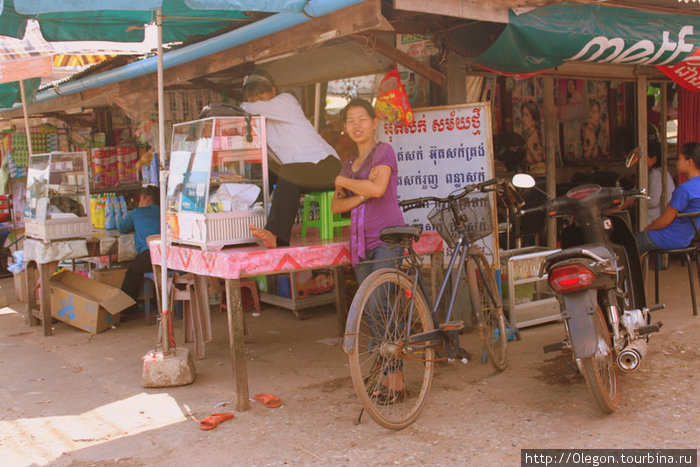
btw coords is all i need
(366, 187)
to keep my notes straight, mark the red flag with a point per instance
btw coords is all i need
(685, 73)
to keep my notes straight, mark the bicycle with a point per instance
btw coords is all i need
(393, 331)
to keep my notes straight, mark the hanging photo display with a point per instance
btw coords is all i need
(582, 107)
(528, 111)
(442, 150)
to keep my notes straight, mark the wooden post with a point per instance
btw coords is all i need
(550, 144)
(642, 170)
(26, 117)
(234, 314)
(341, 302)
(199, 300)
(30, 287)
(45, 271)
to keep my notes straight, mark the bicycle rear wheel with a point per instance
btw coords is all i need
(487, 308)
(391, 381)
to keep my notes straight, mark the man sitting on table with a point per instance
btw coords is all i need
(307, 163)
(143, 221)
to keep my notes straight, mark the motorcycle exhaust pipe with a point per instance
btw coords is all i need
(630, 357)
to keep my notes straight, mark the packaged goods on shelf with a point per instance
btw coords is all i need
(113, 165)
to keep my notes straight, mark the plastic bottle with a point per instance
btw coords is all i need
(100, 212)
(155, 170)
(93, 210)
(109, 213)
(122, 209)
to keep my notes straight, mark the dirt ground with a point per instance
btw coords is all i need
(74, 399)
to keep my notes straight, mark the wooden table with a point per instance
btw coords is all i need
(234, 263)
(44, 257)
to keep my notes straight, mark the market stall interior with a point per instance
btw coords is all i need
(565, 122)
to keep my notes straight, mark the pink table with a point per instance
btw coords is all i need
(232, 264)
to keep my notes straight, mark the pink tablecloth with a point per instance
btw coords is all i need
(237, 262)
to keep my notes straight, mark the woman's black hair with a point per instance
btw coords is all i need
(692, 151)
(533, 109)
(152, 191)
(257, 83)
(654, 150)
(357, 102)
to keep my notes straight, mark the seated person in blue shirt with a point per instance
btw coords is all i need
(143, 221)
(669, 231)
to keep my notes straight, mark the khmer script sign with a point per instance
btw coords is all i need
(442, 150)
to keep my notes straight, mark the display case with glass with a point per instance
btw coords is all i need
(217, 182)
(58, 196)
(527, 298)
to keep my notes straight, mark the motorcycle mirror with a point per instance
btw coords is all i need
(632, 158)
(523, 181)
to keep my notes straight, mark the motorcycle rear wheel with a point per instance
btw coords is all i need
(600, 371)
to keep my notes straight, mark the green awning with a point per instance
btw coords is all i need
(547, 37)
(9, 92)
(59, 20)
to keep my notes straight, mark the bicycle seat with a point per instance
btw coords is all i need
(401, 235)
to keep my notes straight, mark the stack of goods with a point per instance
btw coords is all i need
(114, 165)
(149, 166)
(13, 169)
(44, 139)
(81, 139)
(107, 210)
(126, 164)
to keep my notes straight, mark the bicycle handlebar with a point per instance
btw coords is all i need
(416, 203)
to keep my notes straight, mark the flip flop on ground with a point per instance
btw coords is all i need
(270, 400)
(214, 419)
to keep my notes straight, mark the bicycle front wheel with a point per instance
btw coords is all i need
(487, 308)
(392, 379)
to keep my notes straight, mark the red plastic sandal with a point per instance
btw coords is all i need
(270, 400)
(214, 419)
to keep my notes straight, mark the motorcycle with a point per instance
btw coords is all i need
(597, 278)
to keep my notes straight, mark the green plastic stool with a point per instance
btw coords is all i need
(327, 222)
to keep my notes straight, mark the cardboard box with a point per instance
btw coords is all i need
(85, 303)
(111, 276)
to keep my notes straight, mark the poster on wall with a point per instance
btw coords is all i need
(585, 124)
(595, 130)
(443, 150)
(569, 99)
(527, 120)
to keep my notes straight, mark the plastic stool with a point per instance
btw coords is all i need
(249, 284)
(196, 321)
(327, 222)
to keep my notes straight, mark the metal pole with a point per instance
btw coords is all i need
(317, 105)
(26, 117)
(664, 148)
(163, 177)
(642, 168)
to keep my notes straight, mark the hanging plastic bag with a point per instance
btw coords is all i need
(392, 100)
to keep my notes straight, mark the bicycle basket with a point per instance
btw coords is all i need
(475, 212)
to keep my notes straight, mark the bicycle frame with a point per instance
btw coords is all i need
(447, 335)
